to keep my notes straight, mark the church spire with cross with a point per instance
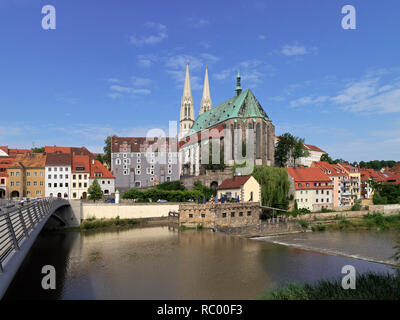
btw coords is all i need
(206, 103)
(187, 108)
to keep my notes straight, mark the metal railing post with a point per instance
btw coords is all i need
(30, 216)
(11, 229)
(21, 217)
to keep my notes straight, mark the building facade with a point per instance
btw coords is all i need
(58, 175)
(143, 162)
(245, 187)
(340, 180)
(311, 188)
(27, 176)
(80, 173)
(354, 181)
(104, 177)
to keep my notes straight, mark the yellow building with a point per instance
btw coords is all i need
(354, 181)
(245, 187)
(26, 176)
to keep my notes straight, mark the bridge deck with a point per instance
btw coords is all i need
(20, 224)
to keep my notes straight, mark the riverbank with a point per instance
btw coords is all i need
(369, 286)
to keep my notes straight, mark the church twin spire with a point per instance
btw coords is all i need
(187, 107)
(206, 103)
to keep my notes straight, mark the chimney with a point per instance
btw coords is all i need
(92, 161)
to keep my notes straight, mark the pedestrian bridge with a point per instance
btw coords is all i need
(20, 224)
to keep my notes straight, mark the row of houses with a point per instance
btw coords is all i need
(64, 172)
(325, 185)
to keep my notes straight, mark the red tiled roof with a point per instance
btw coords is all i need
(234, 183)
(367, 174)
(309, 175)
(143, 144)
(80, 161)
(58, 159)
(56, 149)
(395, 169)
(14, 152)
(312, 148)
(393, 179)
(99, 168)
(329, 169)
(349, 167)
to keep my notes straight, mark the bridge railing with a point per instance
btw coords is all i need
(17, 222)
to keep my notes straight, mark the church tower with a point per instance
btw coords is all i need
(187, 109)
(206, 103)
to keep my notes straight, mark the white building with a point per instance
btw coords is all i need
(58, 175)
(104, 177)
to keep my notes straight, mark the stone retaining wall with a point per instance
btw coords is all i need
(128, 211)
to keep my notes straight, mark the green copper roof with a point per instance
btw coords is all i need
(243, 106)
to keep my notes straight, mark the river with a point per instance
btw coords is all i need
(164, 263)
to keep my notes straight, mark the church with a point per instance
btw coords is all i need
(232, 121)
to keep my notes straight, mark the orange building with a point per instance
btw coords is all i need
(26, 177)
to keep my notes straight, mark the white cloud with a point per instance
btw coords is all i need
(140, 82)
(198, 22)
(373, 95)
(297, 50)
(262, 37)
(146, 60)
(151, 39)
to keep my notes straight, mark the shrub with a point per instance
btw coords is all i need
(304, 223)
(356, 207)
(318, 227)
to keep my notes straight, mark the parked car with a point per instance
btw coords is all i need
(109, 200)
(162, 200)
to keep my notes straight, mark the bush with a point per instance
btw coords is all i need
(370, 286)
(304, 223)
(356, 207)
(318, 227)
(155, 194)
(171, 185)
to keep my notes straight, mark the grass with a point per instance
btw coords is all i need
(199, 226)
(374, 221)
(369, 286)
(318, 227)
(92, 223)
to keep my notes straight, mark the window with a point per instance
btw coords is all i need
(85, 185)
(38, 192)
(137, 172)
(316, 200)
(41, 183)
(327, 199)
(322, 200)
(61, 185)
(190, 215)
(41, 174)
(61, 169)
(203, 215)
(66, 176)
(316, 192)
(11, 174)
(240, 214)
(327, 191)
(28, 174)
(85, 177)
(55, 169)
(137, 184)
(49, 176)
(168, 179)
(80, 185)
(74, 176)
(248, 213)
(61, 176)
(80, 177)
(35, 183)
(28, 193)
(49, 169)
(66, 184)
(35, 174)
(74, 185)
(12, 184)
(322, 191)
(224, 215)
(55, 176)
(118, 161)
(125, 172)
(28, 183)
(232, 214)
(55, 185)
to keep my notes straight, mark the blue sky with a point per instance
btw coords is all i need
(118, 67)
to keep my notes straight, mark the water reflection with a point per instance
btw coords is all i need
(162, 263)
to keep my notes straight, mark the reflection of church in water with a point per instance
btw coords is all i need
(243, 111)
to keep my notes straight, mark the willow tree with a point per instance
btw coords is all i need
(274, 186)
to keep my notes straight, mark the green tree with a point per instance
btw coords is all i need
(107, 150)
(283, 148)
(171, 185)
(99, 158)
(274, 186)
(95, 192)
(38, 150)
(298, 150)
(326, 157)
